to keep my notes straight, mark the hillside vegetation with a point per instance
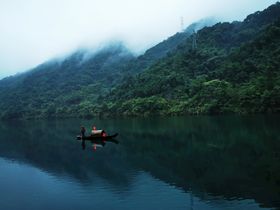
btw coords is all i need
(234, 69)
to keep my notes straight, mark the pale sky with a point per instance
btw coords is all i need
(34, 31)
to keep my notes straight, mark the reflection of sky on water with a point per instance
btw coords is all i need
(30, 188)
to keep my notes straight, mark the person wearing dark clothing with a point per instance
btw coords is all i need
(83, 131)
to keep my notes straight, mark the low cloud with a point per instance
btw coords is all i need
(34, 31)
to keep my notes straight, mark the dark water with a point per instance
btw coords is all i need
(175, 163)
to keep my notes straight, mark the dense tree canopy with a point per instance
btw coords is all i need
(234, 69)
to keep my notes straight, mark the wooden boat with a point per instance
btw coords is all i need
(97, 137)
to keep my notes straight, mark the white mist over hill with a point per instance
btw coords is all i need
(34, 31)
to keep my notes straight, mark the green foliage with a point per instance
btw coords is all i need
(217, 78)
(235, 69)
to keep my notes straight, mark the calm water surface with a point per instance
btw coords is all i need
(227, 162)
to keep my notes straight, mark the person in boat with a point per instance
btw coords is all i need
(83, 131)
(98, 133)
(93, 131)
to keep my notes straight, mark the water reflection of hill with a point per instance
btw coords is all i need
(222, 156)
(51, 146)
(232, 157)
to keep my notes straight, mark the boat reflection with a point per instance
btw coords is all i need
(98, 143)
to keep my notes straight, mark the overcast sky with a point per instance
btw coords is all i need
(33, 31)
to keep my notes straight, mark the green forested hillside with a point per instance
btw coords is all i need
(71, 86)
(233, 69)
(63, 86)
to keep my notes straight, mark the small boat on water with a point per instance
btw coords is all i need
(97, 137)
(97, 134)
